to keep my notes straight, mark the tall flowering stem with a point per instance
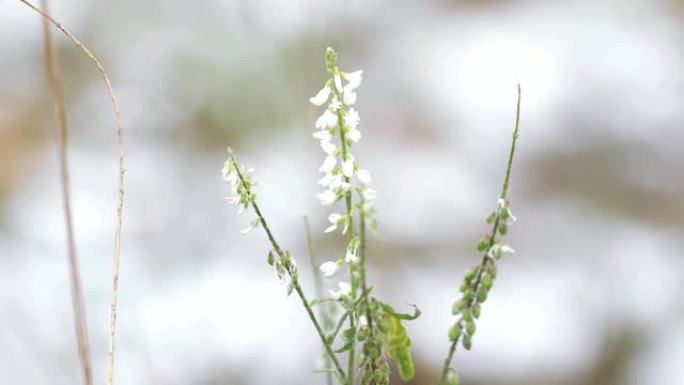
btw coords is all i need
(340, 116)
(242, 182)
(478, 281)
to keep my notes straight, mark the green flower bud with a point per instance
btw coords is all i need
(467, 342)
(476, 310)
(457, 307)
(469, 275)
(491, 218)
(486, 281)
(270, 259)
(483, 244)
(454, 332)
(452, 378)
(503, 229)
(471, 328)
(482, 295)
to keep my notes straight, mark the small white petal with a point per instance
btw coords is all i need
(326, 120)
(328, 164)
(349, 96)
(335, 104)
(328, 147)
(354, 79)
(354, 135)
(323, 135)
(351, 257)
(331, 228)
(364, 176)
(369, 194)
(502, 202)
(507, 249)
(352, 118)
(321, 97)
(329, 268)
(327, 197)
(338, 82)
(345, 289)
(334, 218)
(348, 167)
(326, 180)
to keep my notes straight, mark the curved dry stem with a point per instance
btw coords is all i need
(119, 209)
(52, 70)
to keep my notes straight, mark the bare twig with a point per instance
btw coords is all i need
(119, 209)
(52, 70)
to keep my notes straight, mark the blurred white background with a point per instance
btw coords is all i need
(594, 294)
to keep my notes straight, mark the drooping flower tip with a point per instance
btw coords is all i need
(321, 97)
(344, 290)
(329, 268)
(507, 249)
(354, 79)
(364, 176)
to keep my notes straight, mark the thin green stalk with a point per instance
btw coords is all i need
(295, 281)
(352, 271)
(318, 285)
(492, 238)
(364, 285)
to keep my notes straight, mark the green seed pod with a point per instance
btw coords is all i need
(471, 328)
(454, 332)
(464, 287)
(362, 359)
(270, 259)
(486, 281)
(452, 378)
(483, 244)
(482, 295)
(467, 342)
(491, 218)
(469, 275)
(457, 307)
(468, 295)
(492, 270)
(466, 315)
(503, 229)
(476, 310)
(504, 213)
(363, 333)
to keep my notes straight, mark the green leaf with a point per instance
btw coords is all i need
(399, 347)
(389, 309)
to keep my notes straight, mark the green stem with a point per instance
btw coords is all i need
(295, 281)
(492, 238)
(348, 205)
(364, 285)
(318, 285)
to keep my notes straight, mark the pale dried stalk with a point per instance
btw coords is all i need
(52, 70)
(119, 209)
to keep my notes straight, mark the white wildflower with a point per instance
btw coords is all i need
(323, 135)
(321, 97)
(369, 194)
(328, 164)
(354, 135)
(348, 167)
(352, 118)
(327, 120)
(354, 79)
(327, 197)
(351, 257)
(335, 104)
(507, 249)
(338, 82)
(364, 176)
(328, 147)
(329, 268)
(349, 97)
(345, 290)
(335, 219)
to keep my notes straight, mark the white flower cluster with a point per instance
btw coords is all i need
(241, 182)
(337, 131)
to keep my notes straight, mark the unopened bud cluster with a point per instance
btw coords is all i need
(478, 281)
